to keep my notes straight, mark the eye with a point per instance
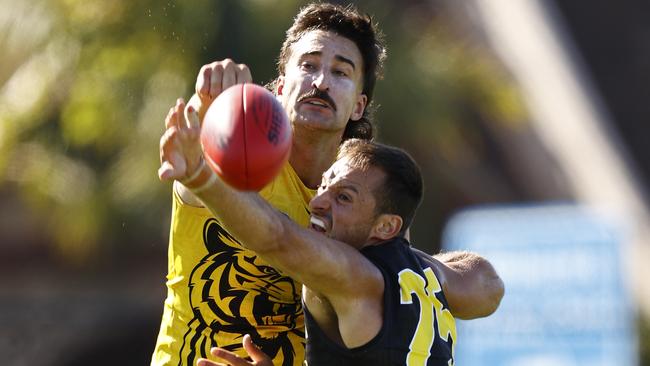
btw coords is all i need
(343, 197)
(340, 73)
(307, 66)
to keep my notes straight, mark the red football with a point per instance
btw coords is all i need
(246, 136)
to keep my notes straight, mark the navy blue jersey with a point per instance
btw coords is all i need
(418, 328)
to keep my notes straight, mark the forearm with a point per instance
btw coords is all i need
(280, 242)
(246, 215)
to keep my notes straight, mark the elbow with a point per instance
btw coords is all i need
(496, 290)
(483, 294)
(493, 290)
(481, 304)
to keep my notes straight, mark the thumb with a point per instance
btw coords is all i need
(174, 167)
(255, 353)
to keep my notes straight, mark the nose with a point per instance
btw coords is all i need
(319, 203)
(321, 81)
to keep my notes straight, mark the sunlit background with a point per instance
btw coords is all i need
(504, 104)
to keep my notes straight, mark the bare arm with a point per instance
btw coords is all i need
(327, 266)
(346, 279)
(324, 265)
(472, 287)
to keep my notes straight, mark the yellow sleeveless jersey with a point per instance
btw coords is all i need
(217, 291)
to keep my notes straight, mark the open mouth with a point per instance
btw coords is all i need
(318, 103)
(317, 224)
(319, 98)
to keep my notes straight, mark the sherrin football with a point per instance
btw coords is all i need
(246, 136)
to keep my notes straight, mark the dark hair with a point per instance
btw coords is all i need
(402, 190)
(349, 23)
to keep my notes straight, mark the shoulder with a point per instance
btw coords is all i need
(396, 258)
(426, 260)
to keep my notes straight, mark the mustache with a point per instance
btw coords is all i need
(318, 94)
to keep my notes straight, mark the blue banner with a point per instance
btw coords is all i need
(566, 300)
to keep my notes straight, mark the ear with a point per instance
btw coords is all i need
(279, 85)
(387, 226)
(359, 107)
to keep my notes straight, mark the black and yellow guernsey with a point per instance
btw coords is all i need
(218, 291)
(418, 328)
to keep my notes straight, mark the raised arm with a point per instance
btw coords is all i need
(471, 285)
(324, 264)
(212, 79)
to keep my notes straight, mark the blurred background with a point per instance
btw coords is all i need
(502, 103)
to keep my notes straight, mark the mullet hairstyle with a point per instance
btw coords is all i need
(349, 23)
(402, 190)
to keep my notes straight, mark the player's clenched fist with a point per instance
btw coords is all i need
(216, 77)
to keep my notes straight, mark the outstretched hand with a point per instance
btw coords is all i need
(258, 357)
(180, 145)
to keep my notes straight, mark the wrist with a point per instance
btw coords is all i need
(202, 178)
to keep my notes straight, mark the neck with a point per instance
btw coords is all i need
(312, 153)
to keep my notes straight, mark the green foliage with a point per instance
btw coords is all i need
(82, 107)
(85, 92)
(85, 88)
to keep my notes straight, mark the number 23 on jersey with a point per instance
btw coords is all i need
(431, 313)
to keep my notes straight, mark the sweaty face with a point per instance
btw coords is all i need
(344, 207)
(323, 81)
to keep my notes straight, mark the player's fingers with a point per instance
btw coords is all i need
(166, 143)
(177, 115)
(202, 86)
(255, 352)
(230, 357)
(168, 118)
(216, 81)
(229, 74)
(180, 145)
(165, 171)
(171, 120)
(243, 74)
(172, 163)
(173, 167)
(192, 118)
(204, 362)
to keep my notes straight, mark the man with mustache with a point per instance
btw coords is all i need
(218, 290)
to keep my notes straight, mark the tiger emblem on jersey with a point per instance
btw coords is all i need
(233, 293)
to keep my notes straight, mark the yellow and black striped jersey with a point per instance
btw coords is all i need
(217, 291)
